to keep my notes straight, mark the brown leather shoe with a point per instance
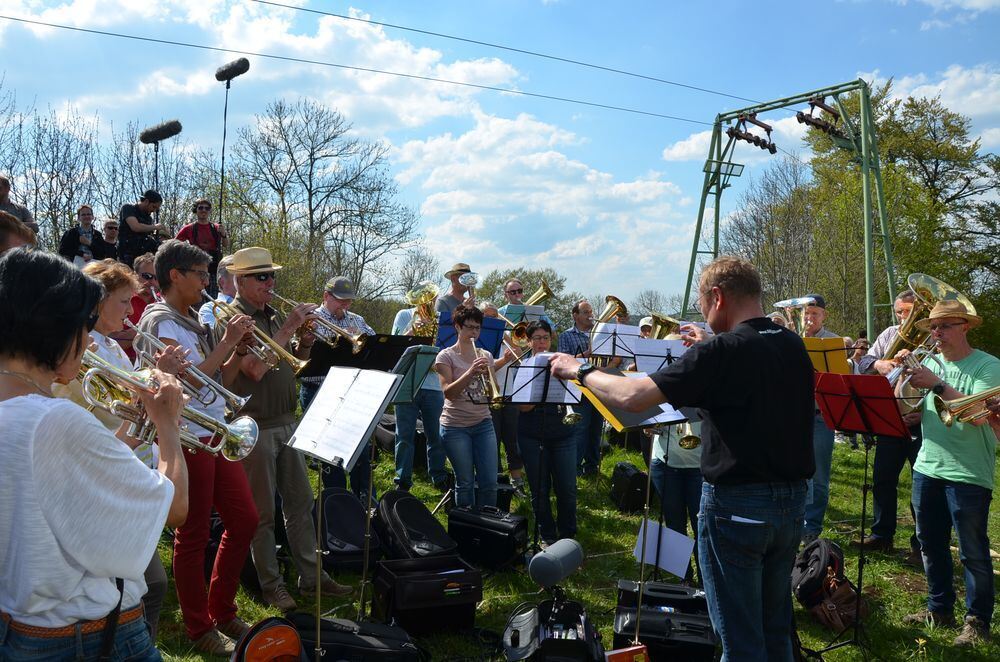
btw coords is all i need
(234, 629)
(873, 544)
(328, 586)
(214, 642)
(280, 598)
(973, 631)
(937, 619)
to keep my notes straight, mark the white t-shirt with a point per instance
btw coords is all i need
(77, 509)
(189, 341)
(402, 323)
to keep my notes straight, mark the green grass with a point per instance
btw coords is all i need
(608, 537)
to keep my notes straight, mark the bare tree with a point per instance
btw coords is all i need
(417, 264)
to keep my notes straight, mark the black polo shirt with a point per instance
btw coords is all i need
(130, 242)
(754, 386)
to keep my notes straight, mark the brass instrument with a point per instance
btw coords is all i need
(571, 417)
(613, 309)
(795, 312)
(687, 439)
(518, 332)
(541, 294)
(470, 280)
(663, 326)
(194, 380)
(488, 382)
(113, 390)
(967, 409)
(928, 291)
(335, 333)
(424, 322)
(265, 349)
(908, 397)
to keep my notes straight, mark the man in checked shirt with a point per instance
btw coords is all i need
(338, 295)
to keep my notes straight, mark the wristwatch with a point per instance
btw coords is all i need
(584, 370)
(938, 388)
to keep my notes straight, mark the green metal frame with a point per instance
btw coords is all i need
(860, 140)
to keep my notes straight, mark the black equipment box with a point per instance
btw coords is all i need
(566, 634)
(345, 524)
(342, 639)
(628, 487)
(675, 622)
(488, 537)
(409, 530)
(428, 594)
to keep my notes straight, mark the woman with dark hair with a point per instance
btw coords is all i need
(79, 513)
(466, 424)
(548, 449)
(209, 616)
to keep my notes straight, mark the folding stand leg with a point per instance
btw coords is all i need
(362, 601)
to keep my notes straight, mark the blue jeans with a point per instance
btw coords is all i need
(746, 566)
(820, 484)
(132, 643)
(334, 476)
(940, 506)
(680, 499)
(588, 438)
(551, 463)
(428, 403)
(473, 454)
(891, 455)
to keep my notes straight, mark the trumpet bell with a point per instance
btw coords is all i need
(240, 438)
(425, 292)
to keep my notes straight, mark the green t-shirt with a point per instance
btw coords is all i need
(964, 453)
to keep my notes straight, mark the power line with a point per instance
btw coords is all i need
(511, 49)
(286, 58)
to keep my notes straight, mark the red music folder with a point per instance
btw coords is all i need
(859, 403)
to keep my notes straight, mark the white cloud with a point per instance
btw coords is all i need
(968, 5)
(991, 137)
(692, 148)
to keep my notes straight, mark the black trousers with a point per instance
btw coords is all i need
(891, 455)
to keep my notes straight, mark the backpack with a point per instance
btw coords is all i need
(274, 639)
(813, 565)
(409, 530)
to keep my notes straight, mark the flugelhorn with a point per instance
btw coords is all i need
(488, 381)
(265, 349)
(333, 332)
(114, 390)
(967, 409)
(908, 397)
(194, 379)
(470, 280)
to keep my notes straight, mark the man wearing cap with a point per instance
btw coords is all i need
(338, 295)
(815, 316)
(953, 475)
(456, 293)
(273, 465)
(227, 292)
(137, 232)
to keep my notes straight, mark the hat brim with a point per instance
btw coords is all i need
(250, 271)
(344, 297)
(449, 274)
(973, 320)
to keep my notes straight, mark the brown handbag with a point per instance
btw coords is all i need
(840, 605)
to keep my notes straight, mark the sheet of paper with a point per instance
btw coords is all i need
(667, 413)
(614, 340)
(652, 354)
(526, 384)
(675, 548)
(533, 313)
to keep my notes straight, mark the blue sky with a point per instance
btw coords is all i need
(607, 198)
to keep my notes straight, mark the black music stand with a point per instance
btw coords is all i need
(380, 352)
(865, 405)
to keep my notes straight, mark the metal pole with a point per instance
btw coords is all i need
(222, 172)
(709, 175)
(866, 195)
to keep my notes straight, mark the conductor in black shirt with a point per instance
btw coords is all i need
(753, 382)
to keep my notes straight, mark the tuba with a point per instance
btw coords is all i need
(333, 333)
(541, 294)
(967, 409)
(663, 326)
(424, 322)
(795, 312)
(928, 291)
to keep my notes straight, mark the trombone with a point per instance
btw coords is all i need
(967, 409)
(265, 349)
(113, 390)
(333, 332)
(194, 380)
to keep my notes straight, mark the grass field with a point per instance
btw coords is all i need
(608, 537)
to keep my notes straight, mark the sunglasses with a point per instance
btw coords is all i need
(147, 276)
(204, 208)
(261, 278)
(943, 327)
(515, 291)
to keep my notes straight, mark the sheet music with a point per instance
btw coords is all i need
(667, 413)
(533, 313)
(615, 340)
(343, 414)
(675, 548)
(528, 383)
(652, 354)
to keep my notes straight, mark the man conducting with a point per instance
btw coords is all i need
(753, 499)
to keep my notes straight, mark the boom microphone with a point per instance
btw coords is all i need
(556, 562)
(155, 134)
(232, 70)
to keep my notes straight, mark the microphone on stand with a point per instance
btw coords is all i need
(231, 70)
(162, 131)
(556, 562)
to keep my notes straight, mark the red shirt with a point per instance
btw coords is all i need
(200, 235)
(138, 306)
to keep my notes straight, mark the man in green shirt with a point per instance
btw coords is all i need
(953, 475)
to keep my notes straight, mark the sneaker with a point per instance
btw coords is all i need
(234, 629)
(280, 598)
(873, 544)
(328, 587)
(214, 642)
(935, 618)
(973, 631)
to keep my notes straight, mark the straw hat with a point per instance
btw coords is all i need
(253, 260)
(949, 308)
(457, 268)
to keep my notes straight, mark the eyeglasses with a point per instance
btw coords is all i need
(519, 291)
(203, 275)
(261, 278)
(944, 327)
(472, 327)
(147, 276)
(111, 227)
(204, 208)
(540, 338)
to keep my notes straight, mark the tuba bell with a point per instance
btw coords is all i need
(794, 311)
(541, 294)
(663, 326)
(928, 291)
(424, 322)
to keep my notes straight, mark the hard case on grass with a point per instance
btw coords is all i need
(409, 530)
(344, 525)
(566, 634)
(488, 537)
(675, 622)
(505, 493)
(427, 595)
(628, 487)
(358, 642)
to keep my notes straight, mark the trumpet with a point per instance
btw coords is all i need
(488, 382)
(265, 349)
(194, 380)
(113, 390)
(967, 409)
(333, 332)
(908, 397)
(570, 415)
(687, 439)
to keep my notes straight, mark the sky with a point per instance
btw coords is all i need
(607, 198)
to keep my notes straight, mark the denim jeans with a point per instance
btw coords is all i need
(891, 455)
(551, 463)
(940, 506)
(819, 486)
(748, 536)
(334, 476)
(132, 643)
(680, 499)
(505, 427)
(588, 438)
(428, 403)
(473, 454)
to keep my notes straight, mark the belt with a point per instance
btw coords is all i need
(86, 627)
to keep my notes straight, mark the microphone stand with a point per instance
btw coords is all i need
(222, 171)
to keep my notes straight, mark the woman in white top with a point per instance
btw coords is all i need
(79, 514)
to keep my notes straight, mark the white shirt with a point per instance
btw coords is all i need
(77, 509)
(402, 323)
(189, 341)
(205, 312)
